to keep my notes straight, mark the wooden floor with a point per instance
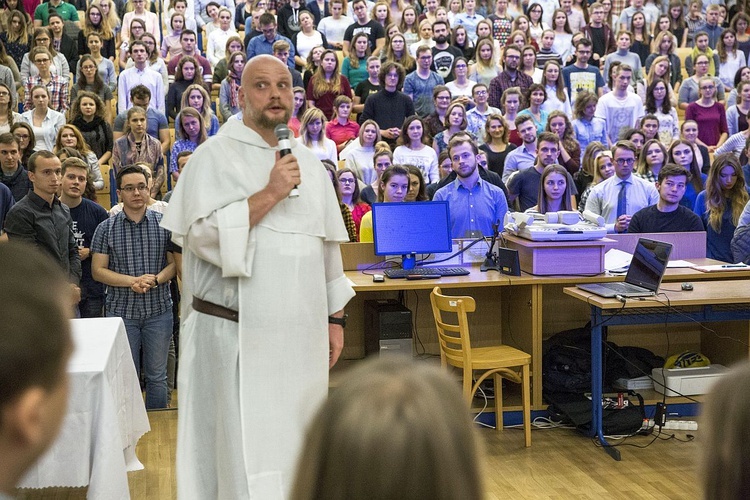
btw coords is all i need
(561, 464)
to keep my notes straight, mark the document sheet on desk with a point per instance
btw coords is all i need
(617, 261)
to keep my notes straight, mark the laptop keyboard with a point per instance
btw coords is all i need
(442, 271)
(625, 288)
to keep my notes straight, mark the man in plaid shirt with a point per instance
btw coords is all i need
(129, 255)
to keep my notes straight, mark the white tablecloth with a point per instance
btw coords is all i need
(106, 416)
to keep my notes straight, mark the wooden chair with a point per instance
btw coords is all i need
(499, 361)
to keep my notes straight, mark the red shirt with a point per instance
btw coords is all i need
(340, 134)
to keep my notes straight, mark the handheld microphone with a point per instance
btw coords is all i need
(282, 133)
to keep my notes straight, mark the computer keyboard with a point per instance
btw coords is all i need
(624, 288)
(421, 271)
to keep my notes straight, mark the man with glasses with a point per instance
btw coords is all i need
(363, 24)
(510, 77)
(140, 74)
(524, 185)
(138, 288)
(580, 76)
(389, 107)
(264, 44)
(619, 197)
(475, 204)
(621, 108)
(477, 116)
(419, 84)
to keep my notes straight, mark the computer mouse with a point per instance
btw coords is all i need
(687, 287)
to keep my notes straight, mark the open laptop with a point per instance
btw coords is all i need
(645, 273)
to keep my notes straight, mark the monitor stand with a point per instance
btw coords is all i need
(409, 261)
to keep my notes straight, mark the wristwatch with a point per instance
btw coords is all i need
(338, 321)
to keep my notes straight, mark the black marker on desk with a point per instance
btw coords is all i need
(733, 265)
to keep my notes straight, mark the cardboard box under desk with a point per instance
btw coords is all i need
(546, 258)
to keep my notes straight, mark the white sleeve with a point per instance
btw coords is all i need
(225, 239)
(338, 287)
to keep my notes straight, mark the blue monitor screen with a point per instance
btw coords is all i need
(411, 228)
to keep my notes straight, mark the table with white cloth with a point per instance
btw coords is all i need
(106, 416)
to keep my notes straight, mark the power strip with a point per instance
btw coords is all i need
(682, 425)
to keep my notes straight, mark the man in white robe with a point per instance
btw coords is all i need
(250, 384)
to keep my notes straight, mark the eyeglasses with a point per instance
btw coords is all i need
(346, 180)
(708, 87)
(21, 136)
(130, 189)
(39, 61)
(4, 94)
(625, 161)
(481, 92)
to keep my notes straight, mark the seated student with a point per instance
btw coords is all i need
(389, 107)
(475, 204)
(157, 125)
(736, 142)
(382, 158)
(417, 185)
(377, 422)
(447, 175)
(182, 159)
(359, 152)
(34, 357)
(196, 97)
(190, 132)
(341, 129)
(413, 150)
(623, 194)
(554, 191)
(587, 127)
(229, 101)
(652, 158)
(312, 135)
(682, 153)
(721, 205)
(348, 193)
(138, 146)
(394, 185)
(525, 184)
(667, 216)
(595, 167)
(495, 144)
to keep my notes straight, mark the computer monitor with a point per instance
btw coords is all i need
(411, 228)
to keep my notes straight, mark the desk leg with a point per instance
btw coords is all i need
(596, 383)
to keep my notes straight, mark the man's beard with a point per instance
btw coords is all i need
(267, 123)
(441, 39)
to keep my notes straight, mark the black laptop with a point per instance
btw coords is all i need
(645, 273)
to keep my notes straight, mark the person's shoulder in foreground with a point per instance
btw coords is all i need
(34, 353)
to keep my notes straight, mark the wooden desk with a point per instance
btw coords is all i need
(517, 310)
(709, 301)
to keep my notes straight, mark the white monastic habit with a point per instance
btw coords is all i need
(249, 389)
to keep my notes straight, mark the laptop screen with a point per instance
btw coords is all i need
(649, 264)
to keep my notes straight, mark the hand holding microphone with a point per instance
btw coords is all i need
(282, 133)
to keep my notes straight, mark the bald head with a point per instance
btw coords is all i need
(262, 60)
(266, 96)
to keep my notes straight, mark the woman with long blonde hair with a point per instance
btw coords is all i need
(312, 135)
(721, 205)
(196, 97)
(485, 68)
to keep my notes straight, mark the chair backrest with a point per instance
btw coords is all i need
(454, 338)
